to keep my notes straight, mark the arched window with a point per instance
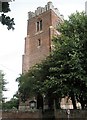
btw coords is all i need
(39, 25)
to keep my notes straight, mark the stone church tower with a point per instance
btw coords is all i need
(41, 26)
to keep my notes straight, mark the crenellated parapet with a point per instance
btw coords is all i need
(41, 10)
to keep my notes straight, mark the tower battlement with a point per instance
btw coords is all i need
(41, 10)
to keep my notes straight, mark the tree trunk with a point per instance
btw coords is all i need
(39, 101)
(50, 103)
(82, 102)
(73, 100)
(57, 103)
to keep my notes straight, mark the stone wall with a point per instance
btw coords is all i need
(14, 115)
(74, 114)
(46, 115)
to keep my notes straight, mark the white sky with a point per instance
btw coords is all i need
(12, 42)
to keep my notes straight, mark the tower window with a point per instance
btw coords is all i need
(39, 42)
(39, 26)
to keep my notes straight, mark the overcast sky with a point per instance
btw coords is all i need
(12, 42)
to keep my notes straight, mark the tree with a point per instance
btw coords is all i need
(11, 104)
(35, 82)
(25, 89)
(2, 87)
(4, 19)
(73, 51)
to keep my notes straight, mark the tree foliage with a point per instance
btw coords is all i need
(25, 89)
(4, 19)
(75, 49)
(11, 104)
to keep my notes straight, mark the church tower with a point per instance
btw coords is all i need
(41, 26)
(86, 7)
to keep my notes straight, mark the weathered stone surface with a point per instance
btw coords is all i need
(46, 115)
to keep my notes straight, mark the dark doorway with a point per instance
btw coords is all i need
(39, 101)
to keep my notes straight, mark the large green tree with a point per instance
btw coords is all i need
(74, 49)
(4, 19)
